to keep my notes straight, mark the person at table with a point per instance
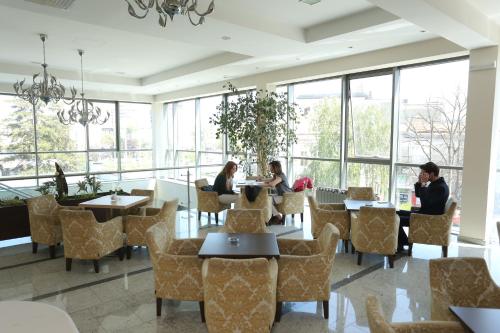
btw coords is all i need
(280, 183)
(223, 184)
(433, 193)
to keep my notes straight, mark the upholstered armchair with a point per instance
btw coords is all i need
(136, 226)
(432, 229)
(176, 266)
(85, 238)
(375, 230)
(361, 193)
(461, 282)
(378, 324)
(240, 295)
(244, 221)
(141, 209)
(208, 201)
(293, 203)
(45, 225)
(305, 267)
(336, 214)
(263, 201)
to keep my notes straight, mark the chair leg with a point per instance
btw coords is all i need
(360, 258)
(277, 316)
(391, 260)
(34, 246)
(158, 306)
(52, 251)
(68, 264)
(293, 216)
(445, 251)
(216, 218)
(410, 249)
(129, 252)
(209, 216)
(283, 219)
(325, 309)
(302, 217)
(121, 253)
(96, 265)
(202, 311)
(353, 250)
(346, 245)
(199, 215)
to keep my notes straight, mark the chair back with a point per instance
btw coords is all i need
(44, 204)
(313, 203)
(328, 239)
(200, 183)
(168, 214)
(145, 193)
(245, 221)
(239, 295)
(293, 203)
(376, 320)
(79, 233)
(461, 282)
(262, 201)
(157, 239)
(361, 193)
(376, 231)
(45, 226)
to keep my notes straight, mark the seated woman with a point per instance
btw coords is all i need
(280, 183)
(223, 184)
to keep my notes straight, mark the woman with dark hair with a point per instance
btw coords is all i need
(223, 184)
(280, 183)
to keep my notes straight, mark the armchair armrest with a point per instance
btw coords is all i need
(311, 270)
(332, 206)
(46, 219)
(71, 207)
(185, 247)
(152, 211)
(298, 247)
(111, 225)
(172, 264)
(429, 229)
(206, 194)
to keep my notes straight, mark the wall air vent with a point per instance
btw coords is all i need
(61, 4)
(310, 2)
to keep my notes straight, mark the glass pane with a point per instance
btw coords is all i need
(370, 175)
(17, 132)
(207, 159)
(185, 125)
(55, 136)
(433, 107)
(208, 142)
(103, 161)
(69, 162)
(104, 136)
(323, 173)
(281, 89)
(185, 158)
(138, 175)
(210, 173)
(318, 131)
(370, 117)
(135, 126)
(17, 165)
(137, 160)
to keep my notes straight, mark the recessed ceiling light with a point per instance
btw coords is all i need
(351, 47)
(310, 2)
(225, 37)
(423, 31)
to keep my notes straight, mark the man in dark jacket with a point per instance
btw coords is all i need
(433, 197)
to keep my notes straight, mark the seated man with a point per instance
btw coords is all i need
(433, 198)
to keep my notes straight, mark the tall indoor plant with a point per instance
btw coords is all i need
(256, 124)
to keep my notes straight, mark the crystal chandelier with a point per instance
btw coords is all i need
(170, 8)
(82, 111)
(46, 89)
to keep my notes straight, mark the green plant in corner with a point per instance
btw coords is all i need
(256, 124)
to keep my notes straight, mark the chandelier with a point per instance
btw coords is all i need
(46, 88)
(82, 111)
(170, 8)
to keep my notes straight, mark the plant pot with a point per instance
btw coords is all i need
(14, 222)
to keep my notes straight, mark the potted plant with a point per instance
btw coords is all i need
(14, 222)
(256, 124)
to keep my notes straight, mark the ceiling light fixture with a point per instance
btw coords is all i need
(310, 2)
(170, 8)
(82, 110)
(47, 89)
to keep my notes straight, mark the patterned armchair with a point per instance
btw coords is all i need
(145, 193)
(240, 295)
(176, 266)
(305, 267)
(45, 225)
(136, 225)
(361, 193)
(461, 282)
(263, 201)
(244, 221)
(378, 324)
(375, 230)
(432, 229)
(208, 201)
(293, 203)
(85, 238)
(322, 214)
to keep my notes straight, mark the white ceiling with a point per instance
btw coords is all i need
(124, 54)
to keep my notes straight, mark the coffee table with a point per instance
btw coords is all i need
(354, 205)
(262, 245)
(478, 320)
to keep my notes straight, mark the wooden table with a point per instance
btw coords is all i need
(478, 320)
(262, 245)
(122, 202)
(355, 205)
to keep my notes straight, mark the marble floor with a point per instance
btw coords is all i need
(120, 298)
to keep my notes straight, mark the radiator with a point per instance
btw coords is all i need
(330, 195)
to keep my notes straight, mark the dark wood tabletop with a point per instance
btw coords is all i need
(478, 320)
(262, 245)
(357, 204)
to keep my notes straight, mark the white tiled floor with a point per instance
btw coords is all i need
(120, 298)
